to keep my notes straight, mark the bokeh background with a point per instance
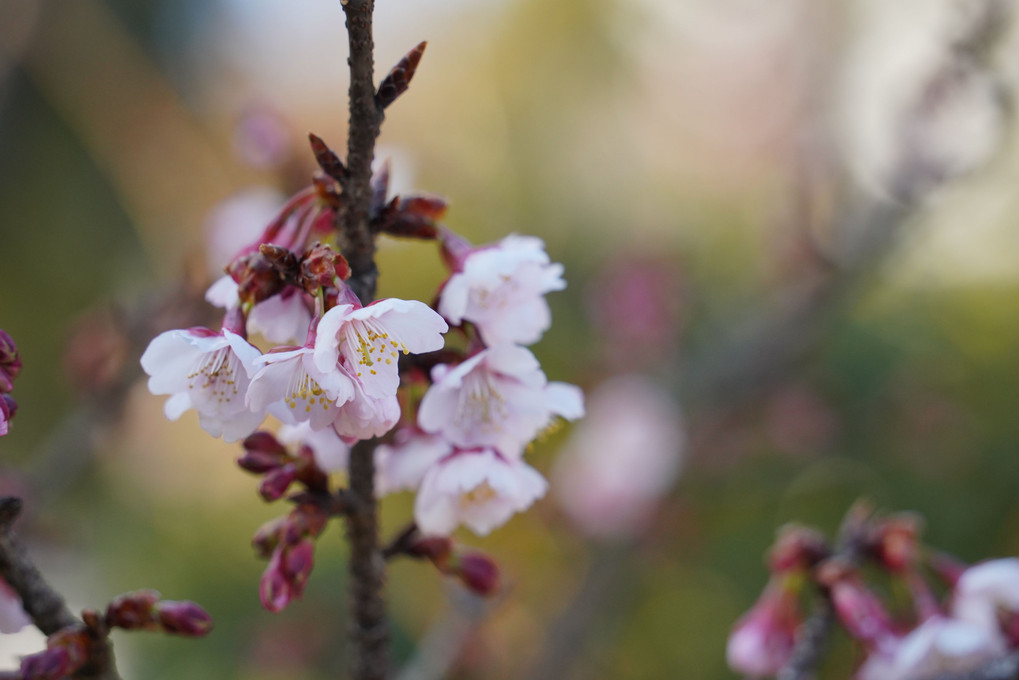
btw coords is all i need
(724, 182)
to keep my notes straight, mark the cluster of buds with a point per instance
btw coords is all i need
(973, 625)
(72, 649)
(475, 570)
(10, 366)
(288, 542)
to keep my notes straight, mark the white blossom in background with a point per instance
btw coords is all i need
(499, 397)
(938, 645)
(621, 459)
(501, 290)
(209, 372)
(478, 488)
(986, 589)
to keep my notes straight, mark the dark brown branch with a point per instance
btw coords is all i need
(44, 605)
(811, 642)
(369, 632)
(358, 244)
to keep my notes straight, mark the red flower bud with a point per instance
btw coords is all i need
(276, 482)
(762, 641)
(183, 618)
(895, 541)
(133, 611)
(257, 277)
(66, 651)
(10, 364)
(274, 589)
(320, 267)
(298, 561)
(797, 547)
(861, 611)
(477, 571)
(263, 453)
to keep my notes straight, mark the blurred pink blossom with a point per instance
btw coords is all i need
(762, 641)
(622, 458)
(938, 645)
(986, 590)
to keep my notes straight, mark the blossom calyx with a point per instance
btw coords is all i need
(797, 547)
(322, 267)
(258, 277)
(133, 611)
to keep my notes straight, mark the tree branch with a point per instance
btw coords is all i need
(44, 605)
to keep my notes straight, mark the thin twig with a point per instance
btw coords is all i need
(41, 602)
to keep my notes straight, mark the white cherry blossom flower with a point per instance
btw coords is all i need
(207, 371)
(985, 589)
(282, 318)
(501, 290)
(477, 488)
(937, 646)
(499, 397)
(290, 386)
(366, 342)
(403, 464)
(364, 416)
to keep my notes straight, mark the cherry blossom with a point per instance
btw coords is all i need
(499, 397)
(938, 645)
(282, 318)
(12, 614)
(403, 464)
(478, 488)
(365, 416)
(500, 288)
(291, 387)
(207, 371)
(986, 589)
(365, 342)
(621, 459)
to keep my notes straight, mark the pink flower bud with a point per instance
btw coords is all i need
(762, 641)
(895, 542)
(10, 364)
(477, 571)
(274, 589)
(66, 651)
(276, 482)
(861, 612)
(133, 611)
(183, 618)
(298, 561)
(262, 452)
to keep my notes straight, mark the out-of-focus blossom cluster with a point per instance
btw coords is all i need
(975, 623)
(10, 366)
(457, 416)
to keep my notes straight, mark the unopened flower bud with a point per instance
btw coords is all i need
(133, 611)
(66, 651)
(861, 611)
(274, 589)
(305, 520)
(267, 536)
(10, 364)
(8, 407)
(477, 571)
(183, 618)
(298, 561)
(797, 547)
(276, 482)
(762, 641)
(263, 453)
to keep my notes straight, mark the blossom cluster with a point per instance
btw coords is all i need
(458, 410)
(976, 623)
